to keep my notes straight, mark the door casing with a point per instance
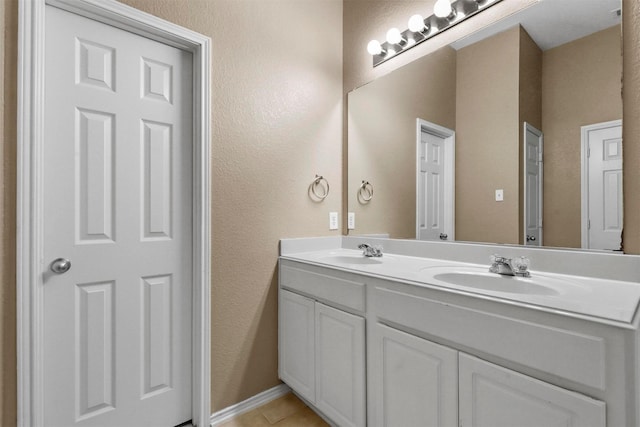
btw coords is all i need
(30, 142)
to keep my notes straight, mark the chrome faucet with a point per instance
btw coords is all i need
(371, 251)
(510, 267)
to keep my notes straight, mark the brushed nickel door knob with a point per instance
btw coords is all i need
(60, 265)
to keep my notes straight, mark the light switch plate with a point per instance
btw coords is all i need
(499, 195)
(333, 220)
(351, 221)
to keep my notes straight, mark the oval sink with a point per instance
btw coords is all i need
(493, 282)
(351, 259)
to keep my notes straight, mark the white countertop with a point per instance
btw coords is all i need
(611, 300)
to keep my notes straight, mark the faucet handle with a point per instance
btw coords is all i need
(521, 265)
(495, 258)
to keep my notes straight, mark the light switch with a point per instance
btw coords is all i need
(499, 195)
(351, 221)
(333, 220)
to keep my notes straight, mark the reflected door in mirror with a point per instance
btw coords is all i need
(533, 165)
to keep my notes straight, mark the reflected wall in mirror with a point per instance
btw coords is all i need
(485, 88)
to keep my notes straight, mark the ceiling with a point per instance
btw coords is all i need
(551, 23)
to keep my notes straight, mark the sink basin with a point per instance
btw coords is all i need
(351, 259)
(475, 278)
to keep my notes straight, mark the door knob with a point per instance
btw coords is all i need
(60, 265)
(531, 238)
(443, 236)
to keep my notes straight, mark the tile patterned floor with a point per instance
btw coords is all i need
(286, 411)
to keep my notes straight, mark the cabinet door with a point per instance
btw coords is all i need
(416, 381)
(296, 343)
(340, 366)
(492, 396)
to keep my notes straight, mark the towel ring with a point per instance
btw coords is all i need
(365, 192)
(320, 183)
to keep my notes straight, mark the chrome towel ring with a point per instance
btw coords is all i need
(365, 192)
(320, 188)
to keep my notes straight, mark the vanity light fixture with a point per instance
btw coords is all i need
(445, 15)
(443, 9)
(417, 24)
(374, 48)
(395, 37)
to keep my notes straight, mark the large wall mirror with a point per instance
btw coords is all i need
(510, 135)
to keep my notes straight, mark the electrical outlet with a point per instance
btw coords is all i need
(351, 221)
(499, 195)
(333, 220)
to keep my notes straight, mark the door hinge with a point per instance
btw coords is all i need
(588, 224)
(588, 152)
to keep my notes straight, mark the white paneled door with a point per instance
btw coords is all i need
(434, 186)
(533, 189)
(118, 211)
(603, 204)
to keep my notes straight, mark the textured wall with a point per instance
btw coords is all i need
(382, 139)
(580, 86)
(487, 113)
(8, 60)
(631, 124)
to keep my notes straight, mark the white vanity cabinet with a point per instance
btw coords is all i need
(414, 382)
(297, 343)
(492, 396)
(437, 357)
(322, 348)
(340, 366)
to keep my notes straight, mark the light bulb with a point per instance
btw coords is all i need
(394, 36)
(374, 47)
(442, 9)
(416, 23)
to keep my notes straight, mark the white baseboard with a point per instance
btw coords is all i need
(246, 405)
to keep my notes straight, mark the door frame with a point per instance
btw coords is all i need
(584, 176)
(540, 135)
(30, 143)
(449, 137)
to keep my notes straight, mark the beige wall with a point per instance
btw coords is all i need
(580, 86)
(487, 139)
(276, 122)
(382, 134)
(8, 60)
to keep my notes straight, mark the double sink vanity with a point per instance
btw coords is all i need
(426, 335)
